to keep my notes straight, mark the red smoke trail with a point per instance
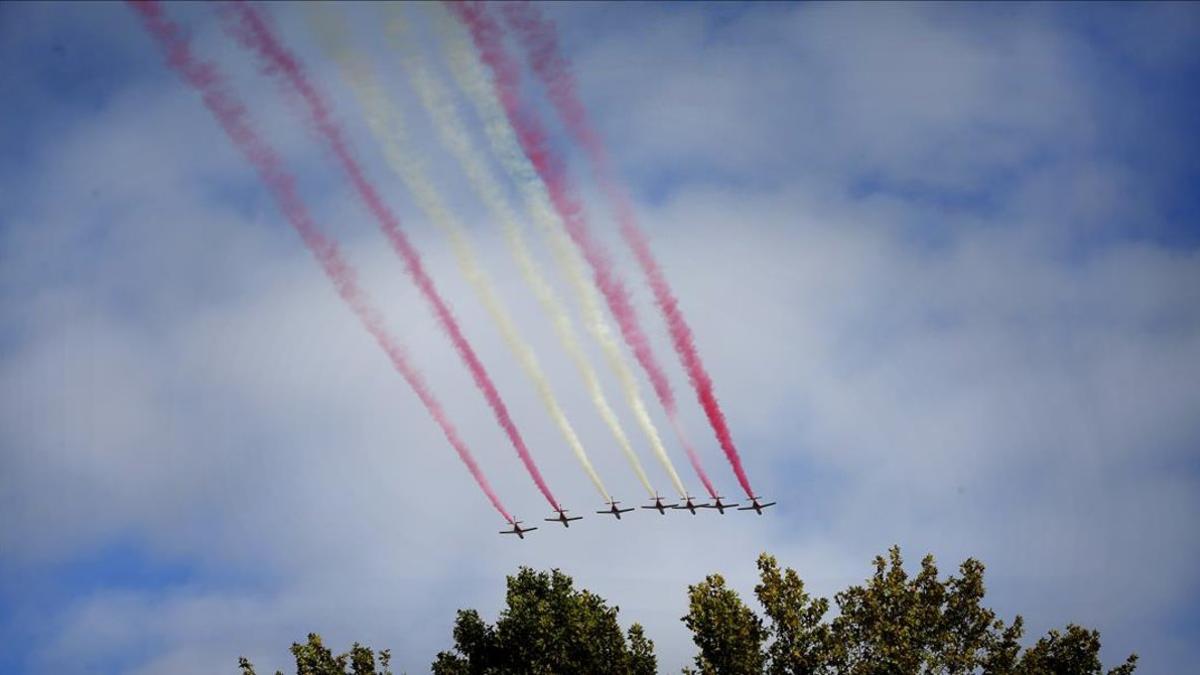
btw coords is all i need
(486, 34)
(253, 32)
(231, 114)
(540, 41)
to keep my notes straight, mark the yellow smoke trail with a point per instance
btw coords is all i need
(469, 75)
(453, 133)
(387, 125)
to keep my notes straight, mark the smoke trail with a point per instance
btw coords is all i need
(387, 124)
(435, 99)
(540, 41)
(469, 75)
(249, 28)
(533, 140)
(231, 114)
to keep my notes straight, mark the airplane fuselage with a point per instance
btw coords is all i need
(659, 506)
(518, 530)
(719, 505)
(614, 511)
(563, 518)
(756, 507)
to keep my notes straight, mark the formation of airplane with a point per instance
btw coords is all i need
(688, 504)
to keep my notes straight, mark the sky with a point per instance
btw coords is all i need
(942, 262)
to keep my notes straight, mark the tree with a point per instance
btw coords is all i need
(547, 626)
(1075, 652)
(641, 652)
(314, 658)
(728, 633)
(802, 643)
(892, 625)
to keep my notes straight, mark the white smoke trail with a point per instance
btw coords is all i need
(387, 125)
(453, 133)
(469, 75)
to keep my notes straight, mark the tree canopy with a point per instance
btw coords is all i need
(892, 624)
(314, 658)
(547, 626)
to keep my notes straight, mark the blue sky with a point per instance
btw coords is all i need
(941, 261)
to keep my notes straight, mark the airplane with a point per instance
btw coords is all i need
(562, 518)
(613, 511)
(690, 505)
(755, 506)
(518, 530)
(718, 506)
(659, 506)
